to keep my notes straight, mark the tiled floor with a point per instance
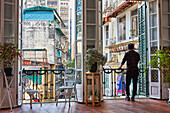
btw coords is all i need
(108, 106)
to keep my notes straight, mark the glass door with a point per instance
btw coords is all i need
(9, 34)
(154, 73)
(79, 49)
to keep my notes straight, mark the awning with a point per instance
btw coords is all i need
(60, 31)
(124, 6)
(106, 19)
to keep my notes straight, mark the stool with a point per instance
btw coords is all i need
(92, 76)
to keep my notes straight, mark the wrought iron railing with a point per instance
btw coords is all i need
(114, 82)
(46, 81)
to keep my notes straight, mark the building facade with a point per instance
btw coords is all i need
(53, 4)
(146, 25)
(120, 27)
(11, 32)
(44, 44)
(41, 29)
(33, 3)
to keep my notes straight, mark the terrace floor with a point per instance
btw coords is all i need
(108, 106)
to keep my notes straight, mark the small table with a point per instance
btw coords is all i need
(92, 76)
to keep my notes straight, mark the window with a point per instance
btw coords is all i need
(122, 29)
(107, 35)
(153, 26)
(134, 22)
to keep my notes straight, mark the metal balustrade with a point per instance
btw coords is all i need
(46, 81)
(114, 82)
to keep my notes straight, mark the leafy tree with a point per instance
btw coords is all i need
(71, 64)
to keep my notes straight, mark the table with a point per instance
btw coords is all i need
(92, 76)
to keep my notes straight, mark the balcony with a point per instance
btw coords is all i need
(47, 81)
(108, 106)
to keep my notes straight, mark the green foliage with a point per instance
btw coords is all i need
(93, 56)
(71, 64)
(161, 60)
(8, 53)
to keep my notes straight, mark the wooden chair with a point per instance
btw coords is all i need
(26, 83)
(69, 87)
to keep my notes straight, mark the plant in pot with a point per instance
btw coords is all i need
(8, 53)
(94, 58)
(161, 60)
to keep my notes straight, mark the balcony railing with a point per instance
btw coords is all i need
(114, 83)
(46, 81)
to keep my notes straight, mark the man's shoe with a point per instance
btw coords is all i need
(133, 99)
(127, 99)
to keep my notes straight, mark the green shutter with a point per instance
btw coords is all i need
(143, 77)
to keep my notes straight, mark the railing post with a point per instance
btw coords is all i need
(115, 83)
(104, 83)
(123, 83)
(112, 82)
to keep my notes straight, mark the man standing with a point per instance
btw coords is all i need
(132, 59)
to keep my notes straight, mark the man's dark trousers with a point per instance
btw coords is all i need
(132, 74)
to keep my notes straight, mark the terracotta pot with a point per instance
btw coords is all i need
(94, 67)
(8, 71)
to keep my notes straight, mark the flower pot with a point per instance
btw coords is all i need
(8, 71)
(94, 67)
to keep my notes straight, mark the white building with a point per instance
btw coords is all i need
(150, 21)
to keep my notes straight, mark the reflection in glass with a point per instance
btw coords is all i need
(9, 28)
(100, 5)
(153, 7)
(79, 32)
(91, 16)
(9, 40)
(154, 47)
(153, 20)
(166, 44)
(79, 47)
(100, 39)
(134, 25)
(20, 12)
(166, 34)
(100, 19)
(153, 34)
(78, 63)
(79, 17)
(91, 4)
(79, 6)
(90, 44)
(79, 77)
(91, 32)
(9, 11)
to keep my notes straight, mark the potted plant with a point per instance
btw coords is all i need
(8, 53)
(161, 60)
(94, 58)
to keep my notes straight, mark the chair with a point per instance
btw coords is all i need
(69, 87)
(26, 83)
